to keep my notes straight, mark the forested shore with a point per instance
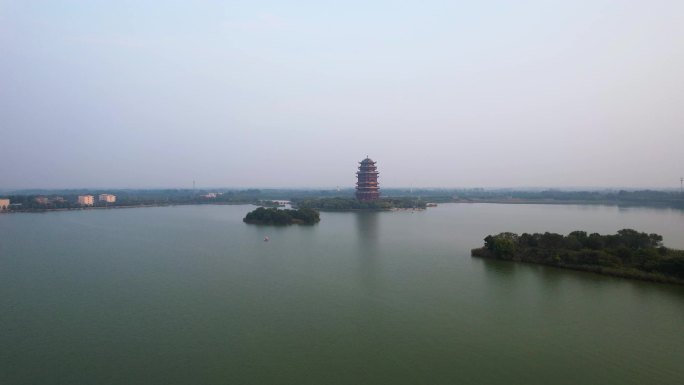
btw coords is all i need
(628, 253)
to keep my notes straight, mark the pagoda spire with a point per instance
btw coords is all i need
(367, 187)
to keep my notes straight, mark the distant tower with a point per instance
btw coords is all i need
(367, 188)
(681, 185)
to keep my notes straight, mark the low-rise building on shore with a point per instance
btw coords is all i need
(4, 204)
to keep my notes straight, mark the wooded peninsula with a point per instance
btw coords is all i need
(628, 253)
(353, 204)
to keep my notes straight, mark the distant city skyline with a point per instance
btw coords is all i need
(538, 94)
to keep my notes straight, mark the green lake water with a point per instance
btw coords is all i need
(191, 295)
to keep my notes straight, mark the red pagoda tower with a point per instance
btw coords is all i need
(367, 188)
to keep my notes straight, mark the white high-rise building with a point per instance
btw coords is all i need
(86, 200)
(109, 198)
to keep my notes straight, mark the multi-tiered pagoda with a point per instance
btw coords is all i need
(367, 188)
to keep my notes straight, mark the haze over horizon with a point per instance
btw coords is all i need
(454, 94)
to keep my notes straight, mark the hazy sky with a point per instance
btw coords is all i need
(295, 93)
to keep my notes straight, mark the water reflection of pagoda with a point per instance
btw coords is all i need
(367, 188)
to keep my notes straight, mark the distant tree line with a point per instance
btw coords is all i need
(68, 199)
(628, 253)
(274, 216)
(341, 199)
(622, 197)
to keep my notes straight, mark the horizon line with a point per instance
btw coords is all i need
(304, 188)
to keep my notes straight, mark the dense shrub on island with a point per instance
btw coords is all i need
(344, 204)
(628, 253)
(274, 216)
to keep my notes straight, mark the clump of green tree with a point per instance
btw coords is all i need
(342, 204)
(627, 253)
(274, 216)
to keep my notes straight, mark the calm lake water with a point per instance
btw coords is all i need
(191, 295)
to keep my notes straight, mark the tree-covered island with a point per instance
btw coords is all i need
(353, 204)
(274, 216)
(628, 253)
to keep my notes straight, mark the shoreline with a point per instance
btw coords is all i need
(627, 273)
(568, 202)
(659, 205)
(121, 207)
